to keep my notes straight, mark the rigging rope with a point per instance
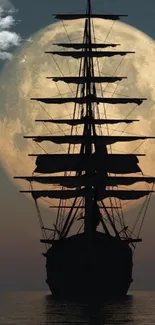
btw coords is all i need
(61, 212)
(102, 92)
(39, 218)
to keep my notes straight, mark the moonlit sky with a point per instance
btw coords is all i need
(22, 265)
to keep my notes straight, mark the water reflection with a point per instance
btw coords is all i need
(92, 312)
(37, 308)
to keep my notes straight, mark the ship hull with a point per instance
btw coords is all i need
(75, 269)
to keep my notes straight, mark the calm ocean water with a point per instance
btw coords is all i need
(37, 308)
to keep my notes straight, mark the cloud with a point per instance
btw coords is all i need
(8, 38)
(6, 5)
(6, 22)
(5, 56)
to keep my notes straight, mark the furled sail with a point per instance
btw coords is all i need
(112, 163)
(74, 122)
(83, 16)
(83, 80)
(78, 46)
(115, 181)
(89, 54)
(102, 194)
(90, 99)
(96, 179)
(78, 139)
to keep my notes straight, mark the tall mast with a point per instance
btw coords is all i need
(88, 227)
(89, 8)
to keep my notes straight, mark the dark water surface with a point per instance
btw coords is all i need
(38, 308)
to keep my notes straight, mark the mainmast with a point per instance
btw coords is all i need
(88, 62)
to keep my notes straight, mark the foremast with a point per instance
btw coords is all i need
(96, 164)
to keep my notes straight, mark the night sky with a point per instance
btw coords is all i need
(21, 262)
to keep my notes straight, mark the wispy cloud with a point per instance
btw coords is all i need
(8, 38)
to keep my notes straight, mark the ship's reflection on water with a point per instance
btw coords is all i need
(38, 308)
(92, 312)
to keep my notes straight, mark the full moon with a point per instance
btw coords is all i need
(25, 77)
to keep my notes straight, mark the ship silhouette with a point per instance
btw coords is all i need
(85, 181)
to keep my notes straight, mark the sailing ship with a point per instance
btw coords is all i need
(97, 259)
